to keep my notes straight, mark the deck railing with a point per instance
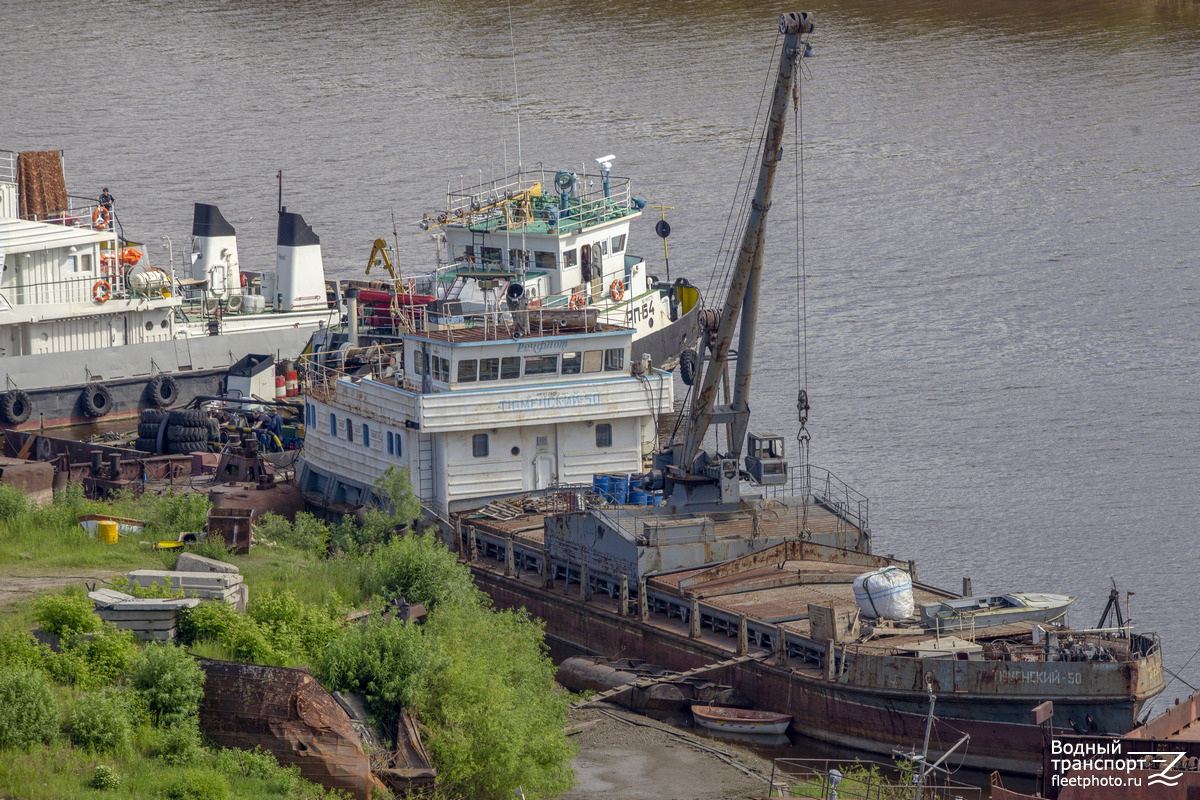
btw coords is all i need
(859, 780)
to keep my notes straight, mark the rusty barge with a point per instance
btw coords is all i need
(740, 560)
(765, 582)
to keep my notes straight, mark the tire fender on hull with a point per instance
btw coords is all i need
(96, 400)
(162, 391)
(15, 407)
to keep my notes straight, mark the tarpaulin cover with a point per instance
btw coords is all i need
(41, 186)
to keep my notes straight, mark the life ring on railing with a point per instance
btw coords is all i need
(101, 217)
(101, 291)
(616, 289)
(576, 302)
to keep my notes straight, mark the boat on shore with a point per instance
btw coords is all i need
(552, 243)
(91, 328)
(741, 720)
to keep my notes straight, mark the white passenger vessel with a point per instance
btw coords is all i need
(89, 328)
(490, 405)
(557, 241)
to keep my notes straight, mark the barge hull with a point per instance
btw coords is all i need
(866, 719)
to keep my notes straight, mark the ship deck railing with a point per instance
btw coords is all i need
(508, 203)
(841, 498)
(815, 778)
(81, 287)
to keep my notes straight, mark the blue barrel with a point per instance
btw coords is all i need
(620, 489)
(603, 486)
(637, 497)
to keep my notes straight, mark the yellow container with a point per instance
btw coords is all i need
(106, 531)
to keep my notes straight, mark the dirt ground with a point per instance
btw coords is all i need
(14, 588)
(630, 757)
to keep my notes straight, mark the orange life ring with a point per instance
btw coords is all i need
(616, 289)
(100, 218)
(576, 302)
(101, 291)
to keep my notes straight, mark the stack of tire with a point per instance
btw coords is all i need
(183, 430)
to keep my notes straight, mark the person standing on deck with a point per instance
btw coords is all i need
(106, 199)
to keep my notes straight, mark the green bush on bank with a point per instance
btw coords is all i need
(28, 710)
(169, 682)
(103, 721)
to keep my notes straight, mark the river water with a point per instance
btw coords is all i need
(999, 220)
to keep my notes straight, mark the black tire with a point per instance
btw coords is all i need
(155, 415)
(687, 367)
(96, 400)
(190, 446)
(15, 407)
(187, 417)
(186, 433)
(148, 430)
(147, 445)
(162, 391)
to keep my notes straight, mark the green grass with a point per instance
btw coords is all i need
(59, 771)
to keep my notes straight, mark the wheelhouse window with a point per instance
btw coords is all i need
(489, 369)
(468, 370)
(593, 360)
(543, 260)
(390, 445)
(572, 363)
(479, 445)
(571, 258)
(510, 368)
(541, 365)
(604, 435)
(349, 430)
(614, 359)
(366, 432)
(333, 425)
(618, 243)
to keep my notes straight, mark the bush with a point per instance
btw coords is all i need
(12, 502)
(105, 778)
(179, 743)
(101, 722)
(28, 711)
(383, 661)
(307, 534)
(496, 720)
(187, 511)
(217, 621)
(109, 654)
(196, 784)
(420, 569)
(65, 614)
(20, 651)
(169, 682)
(292, 628)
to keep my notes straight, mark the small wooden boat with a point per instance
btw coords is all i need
(740, 720)
(965, 613)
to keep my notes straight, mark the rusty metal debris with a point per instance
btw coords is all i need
(287, 712)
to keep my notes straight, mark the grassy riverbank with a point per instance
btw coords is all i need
(480, 680)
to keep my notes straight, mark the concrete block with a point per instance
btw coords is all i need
(242, 599)
(189, 562)
(140, 626)
(158, 636)
(184, 580)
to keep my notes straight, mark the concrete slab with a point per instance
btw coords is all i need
(184, 580)
(190, 562)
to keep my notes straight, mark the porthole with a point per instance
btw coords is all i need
(516, 451)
